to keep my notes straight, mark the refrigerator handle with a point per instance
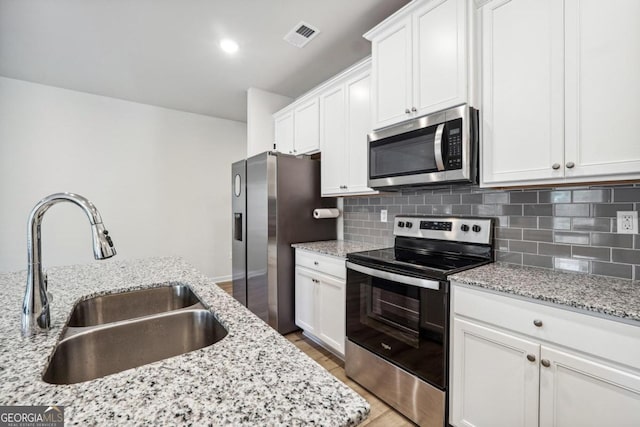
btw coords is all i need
(237, 226)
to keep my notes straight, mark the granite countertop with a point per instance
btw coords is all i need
(253, 376)
(338, 248)
(604, 295)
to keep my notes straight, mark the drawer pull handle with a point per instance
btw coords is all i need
(545, 363)
(315, 263)
(531, 358)
(538, 323)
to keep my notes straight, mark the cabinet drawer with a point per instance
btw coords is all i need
(326, 264)
(609, 339)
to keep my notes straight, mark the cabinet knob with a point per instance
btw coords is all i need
(570, 165)
(414, 109)
(538, 323)
(556, 166)
(295, 151)
(531, 358)
(407, 111)
(315, 263)
(545, 363)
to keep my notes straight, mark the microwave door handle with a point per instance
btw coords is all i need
(398, 278)
(437, 147)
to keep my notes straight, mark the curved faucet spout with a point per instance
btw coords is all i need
(35, 308)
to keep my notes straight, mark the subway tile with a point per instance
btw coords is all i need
(394, 209)
(501, 244)
(461, 209)
(636, 239)
(537, 260)
(400, 200)
(442, 190)
(442, 210)
(509, 257)
(523, 222)
(623, 271)
(538, 210)
(571, 209)
(553, 249)
(626, 195)
(609, 210)
(451, 199)
(484, 210)
(416, 200)
(461, 188)
(496, 198)
(522, 246)
(523, 197)
(424, 209)
(599, 196)
(575, 265)
(474, 199)
(508, 233)
(510, 210)
(374, 200)
(363, 200)
(538, 235)
(626, 256)
(588, 252)
(554, 196)
(408, 209)
(571, 237)
(432, 199)
(500, 221)
(612, 240)
(591, 224)
(636, 273)
(554, 223)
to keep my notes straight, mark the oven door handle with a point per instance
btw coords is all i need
(437, 146)
(399, 278)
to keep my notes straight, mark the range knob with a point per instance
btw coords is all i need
(476, 228)
(464, 227)
(409, 224)
(401, 224)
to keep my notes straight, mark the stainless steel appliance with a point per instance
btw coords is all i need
(273, 198)
(398, 311)
(441, 147)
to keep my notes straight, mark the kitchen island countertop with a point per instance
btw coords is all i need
(253, 376)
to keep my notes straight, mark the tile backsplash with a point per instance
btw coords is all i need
(569, 229)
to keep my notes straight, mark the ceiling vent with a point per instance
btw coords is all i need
(301, 34)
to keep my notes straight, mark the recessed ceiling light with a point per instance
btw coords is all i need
(229, 46)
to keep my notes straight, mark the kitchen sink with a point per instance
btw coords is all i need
(129, 305)
(113, 333)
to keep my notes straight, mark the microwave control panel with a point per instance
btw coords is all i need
(454, 145)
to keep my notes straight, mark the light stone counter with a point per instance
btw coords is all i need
(252, 377)
(338, 248)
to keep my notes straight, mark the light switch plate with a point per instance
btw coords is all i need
(627, 222)
(383, 215)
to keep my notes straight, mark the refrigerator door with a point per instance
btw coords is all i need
(239, 231)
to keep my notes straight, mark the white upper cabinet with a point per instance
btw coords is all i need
(419, 61)
(297, 127)
(283, 123)
(560, 91)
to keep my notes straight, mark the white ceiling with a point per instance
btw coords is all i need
(165, 52)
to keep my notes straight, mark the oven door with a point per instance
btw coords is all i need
(400, 318)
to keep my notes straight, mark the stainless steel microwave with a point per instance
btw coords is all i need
(433, 149)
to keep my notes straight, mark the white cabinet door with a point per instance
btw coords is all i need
(358, 126)
(439, 56)
(334, 164)
(331, 312)
(305, 299)
(391, 53)
(575, 391)
(284, 133)
(602, 87)
(522, 107)
(494, 382)
(307, 127)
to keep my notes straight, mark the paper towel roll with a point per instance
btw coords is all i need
(326, 213)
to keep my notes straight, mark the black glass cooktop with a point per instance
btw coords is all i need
(421, 263)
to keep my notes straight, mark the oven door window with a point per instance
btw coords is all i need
(407, 154)
(404, 324)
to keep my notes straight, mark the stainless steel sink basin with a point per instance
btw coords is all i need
(91, 353)
(129, 305)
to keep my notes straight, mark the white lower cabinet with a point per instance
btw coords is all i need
(320, 297)
(517, 363)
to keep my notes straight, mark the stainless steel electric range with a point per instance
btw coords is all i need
(398, 311)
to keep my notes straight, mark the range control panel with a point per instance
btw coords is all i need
(459, 229)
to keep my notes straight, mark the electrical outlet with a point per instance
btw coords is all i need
(627, 222)
(383, 215)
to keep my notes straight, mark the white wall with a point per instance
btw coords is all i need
(160, 178)
(260, 108)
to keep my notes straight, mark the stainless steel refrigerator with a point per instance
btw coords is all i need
(273, 198)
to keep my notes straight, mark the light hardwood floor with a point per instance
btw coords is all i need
(381, 415)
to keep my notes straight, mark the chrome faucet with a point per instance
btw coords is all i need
(35, 308)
